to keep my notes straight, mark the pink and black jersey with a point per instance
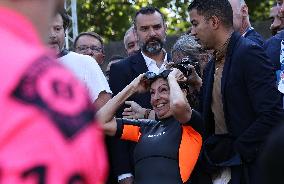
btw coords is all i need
(48, 133)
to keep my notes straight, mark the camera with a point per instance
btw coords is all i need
(183, 66)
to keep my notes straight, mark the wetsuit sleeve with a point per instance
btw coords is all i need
(189, 150)
(195, 122)
(128, 129)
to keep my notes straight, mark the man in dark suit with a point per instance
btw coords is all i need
(274, 45)
(240, 103)
(150, 28)
(242, 23)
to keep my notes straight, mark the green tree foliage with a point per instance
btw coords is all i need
(259, 10)
(111, 18)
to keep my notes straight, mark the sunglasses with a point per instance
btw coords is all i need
(151, 76)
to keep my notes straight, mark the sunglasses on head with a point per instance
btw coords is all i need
(153, 76)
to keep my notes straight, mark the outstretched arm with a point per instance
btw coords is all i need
(178, 102)
(107, 112)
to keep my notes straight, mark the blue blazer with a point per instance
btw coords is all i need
(255, 37)
(251, 101)
(272, 48)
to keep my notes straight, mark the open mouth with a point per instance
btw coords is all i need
(160, 105)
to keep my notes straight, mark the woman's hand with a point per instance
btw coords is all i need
(140, 84)
(135, 111)
(177, 74)
(193, 79)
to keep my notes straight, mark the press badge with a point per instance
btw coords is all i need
(280, 73)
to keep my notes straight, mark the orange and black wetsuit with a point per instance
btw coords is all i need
(166, 150)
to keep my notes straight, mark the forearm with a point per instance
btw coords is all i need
(106, 113)
(178, 101)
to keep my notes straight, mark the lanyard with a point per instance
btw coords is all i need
(280, 72)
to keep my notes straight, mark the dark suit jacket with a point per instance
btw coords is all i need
(251, 101)
(255, 37)
(272, 48)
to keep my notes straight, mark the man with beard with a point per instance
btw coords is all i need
(277, 23)
(47, 119)
(273, 45)
(83, 66)
(150, 27)
(240, 104)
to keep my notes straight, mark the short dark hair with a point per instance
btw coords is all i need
(219, 8)
(66, 19)
(147, 11)
(92, 34)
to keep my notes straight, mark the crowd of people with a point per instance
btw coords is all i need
(208, 112)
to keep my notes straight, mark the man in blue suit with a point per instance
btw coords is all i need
(240, 103)
(150, 27)
(241, 22)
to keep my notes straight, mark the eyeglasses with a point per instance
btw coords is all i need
(153, 76)
(84, 48)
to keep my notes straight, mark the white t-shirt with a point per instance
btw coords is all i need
(88, 71)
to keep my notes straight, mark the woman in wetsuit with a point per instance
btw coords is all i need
(168, 147)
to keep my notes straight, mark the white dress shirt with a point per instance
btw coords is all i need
(152, 65)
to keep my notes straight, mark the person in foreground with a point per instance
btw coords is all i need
(47, 117)
(167, 148)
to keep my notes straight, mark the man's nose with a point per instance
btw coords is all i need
(281, 11)
(193, 32)
(90, 52)
(152, 32)
(52, 34)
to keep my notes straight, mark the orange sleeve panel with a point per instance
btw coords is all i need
(131, 133)
(189, 150)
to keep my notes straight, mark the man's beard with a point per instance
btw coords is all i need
(153, 46)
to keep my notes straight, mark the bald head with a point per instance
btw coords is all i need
(240, 15)
(131, 41)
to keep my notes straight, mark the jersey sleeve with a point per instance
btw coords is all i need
(128, 129)
(196, 122)
(189, 150)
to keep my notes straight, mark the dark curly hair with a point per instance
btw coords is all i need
(219, 8)
(66, 19)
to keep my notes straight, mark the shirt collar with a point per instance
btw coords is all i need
(247, 31)
(150, 61)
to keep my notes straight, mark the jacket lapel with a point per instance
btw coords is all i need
(138, 64)
(228, 60)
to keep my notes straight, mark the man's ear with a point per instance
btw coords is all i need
(214, 21)
(166, 26)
